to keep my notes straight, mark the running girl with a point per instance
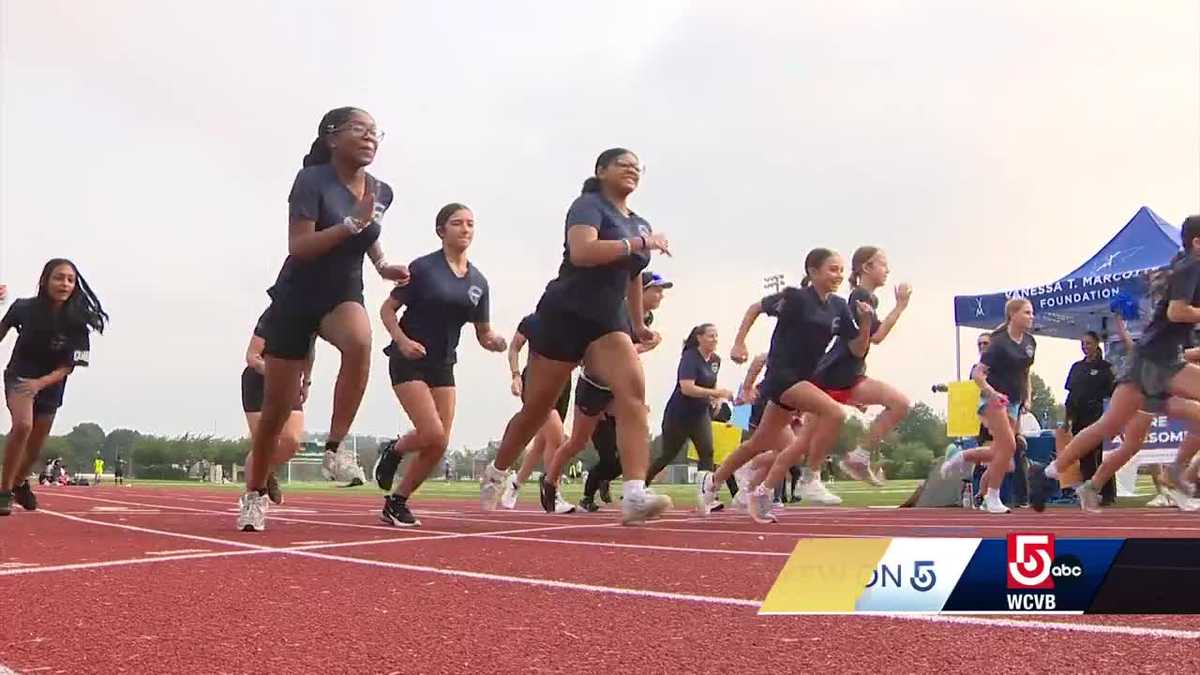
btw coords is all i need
(843, 375)
(1004, 380)
(334, 211)
(1156, 379)
(252, 400)
(594, 419)
(549, 437)
(446, 292)
(808, 318)
(582, 317)
(53, 338)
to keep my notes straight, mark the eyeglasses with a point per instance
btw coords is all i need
(361, 130)
(631, 166)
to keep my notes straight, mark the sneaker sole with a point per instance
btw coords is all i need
(388, 520)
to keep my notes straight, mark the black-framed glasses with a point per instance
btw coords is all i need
(361, 130)
(639, 169)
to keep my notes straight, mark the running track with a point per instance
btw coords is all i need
(112, 580)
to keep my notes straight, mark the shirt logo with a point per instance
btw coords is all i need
(1029, 351)
(377, 212)
(474, 294)
(1094, 372)
(643, 230)
(715, 367)
(80, 357)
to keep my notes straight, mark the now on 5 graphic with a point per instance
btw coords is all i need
(1030, 560)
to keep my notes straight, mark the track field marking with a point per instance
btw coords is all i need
(1109, 629)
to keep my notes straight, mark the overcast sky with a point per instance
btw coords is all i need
(984, 145)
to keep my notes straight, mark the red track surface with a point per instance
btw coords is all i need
(150, 580)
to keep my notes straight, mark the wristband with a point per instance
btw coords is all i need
(628, 246)
(353, 225)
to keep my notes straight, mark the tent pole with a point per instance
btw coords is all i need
(957, 353)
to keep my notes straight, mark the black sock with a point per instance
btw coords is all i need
(332, 446)
(262, 492)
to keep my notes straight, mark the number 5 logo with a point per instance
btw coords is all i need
(1030, 557)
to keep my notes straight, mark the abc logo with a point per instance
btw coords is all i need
(1066, 570)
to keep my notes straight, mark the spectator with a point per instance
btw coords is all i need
(1089, 382)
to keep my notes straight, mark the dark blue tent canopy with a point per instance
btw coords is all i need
(1080, 301)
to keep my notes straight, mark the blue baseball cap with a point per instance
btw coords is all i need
(652, 280)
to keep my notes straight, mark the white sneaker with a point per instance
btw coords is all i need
(560, 505)
(1189, 505)
(491, 486)
(252, 514)
(814, 492)
(1089, 498)
(760, 504)
(743, 475)
(329, 465)
(992, 504)
(648, 506)
(509, 499)
(706, 493)
(346, 465)
(857, 465)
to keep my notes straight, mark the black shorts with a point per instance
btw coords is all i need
(1152, 378)
(252, 392)
(562, 405)
(435, 375)
(563, 336)
(46, 402)
(775, 385)
(591, 397)
(290, 327)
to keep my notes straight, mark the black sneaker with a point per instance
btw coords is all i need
(1037, 486)
(386, 465)
(548, 495)
(5, 503)
(273, 491)
(605, 493)
(395, 512)
(354, 482)
(717, 507)
(23, 495)
(589, 505)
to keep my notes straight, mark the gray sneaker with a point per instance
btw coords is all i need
(252, 516)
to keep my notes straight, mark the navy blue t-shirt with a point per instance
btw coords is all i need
(805, 326)
(840, 368)
(45, 340)
(438, 303)
(598, 293)
(1008, 364)
(692, 366)
(335, 276)
(1163, 340)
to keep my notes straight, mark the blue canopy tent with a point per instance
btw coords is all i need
(1079, 301)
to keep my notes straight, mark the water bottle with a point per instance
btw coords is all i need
(968, 495)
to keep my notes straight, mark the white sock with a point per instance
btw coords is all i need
(1052, 471)
(993, 495)
(634, 489)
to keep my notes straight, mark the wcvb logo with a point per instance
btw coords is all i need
(1030, 560)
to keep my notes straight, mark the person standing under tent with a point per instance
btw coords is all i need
(1089, 382)
(446, 292)
(334, 212)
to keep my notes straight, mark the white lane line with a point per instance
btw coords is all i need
(179, 551)
(1110, 629)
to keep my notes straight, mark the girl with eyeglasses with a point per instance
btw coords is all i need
(584, 315)
(334, 213)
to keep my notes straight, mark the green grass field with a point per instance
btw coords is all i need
(853, 494)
